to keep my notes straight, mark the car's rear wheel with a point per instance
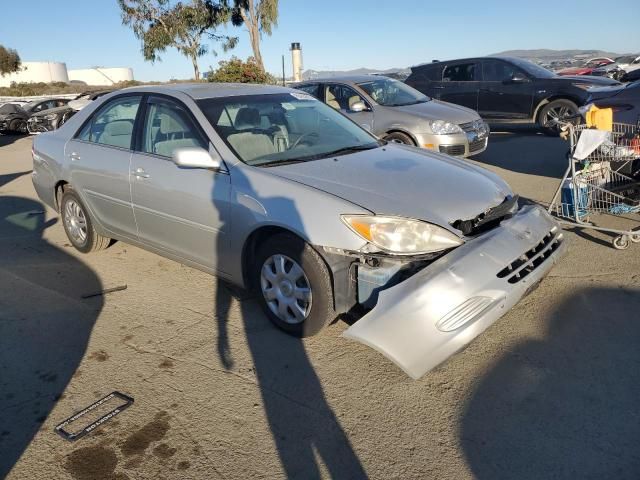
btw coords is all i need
(294, 285)
(554, 113)
(18, 125)
(399, 137)
(78, 225)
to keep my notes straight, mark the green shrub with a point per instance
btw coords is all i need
(235, 70)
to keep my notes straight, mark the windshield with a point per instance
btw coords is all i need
(392, 93)
(283, 128)
(532, 69)
(30, 105)
(625, 59)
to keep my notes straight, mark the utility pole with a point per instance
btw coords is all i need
(283, 80)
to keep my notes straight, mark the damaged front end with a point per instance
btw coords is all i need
(424, 309)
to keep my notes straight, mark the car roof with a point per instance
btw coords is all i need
(199, 91)
(344, 79)
(471, 59)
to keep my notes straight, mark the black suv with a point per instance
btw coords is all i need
(505, 89)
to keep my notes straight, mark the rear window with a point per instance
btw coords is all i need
(461, 72)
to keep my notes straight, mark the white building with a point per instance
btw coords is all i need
(101, 76)
(47, 72)
(32, 72)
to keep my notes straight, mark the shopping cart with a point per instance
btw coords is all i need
(593, 185)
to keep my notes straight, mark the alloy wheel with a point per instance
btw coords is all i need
(75, 221)
(554, 116)
(286, 289)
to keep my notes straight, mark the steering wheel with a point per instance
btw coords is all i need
(300, 138)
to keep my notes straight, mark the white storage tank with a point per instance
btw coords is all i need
(33, 72)
(101, 76)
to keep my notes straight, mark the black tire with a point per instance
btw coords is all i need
(553, 111)
(92, 241)
(399, 137)
(18, 125)
(321, 307)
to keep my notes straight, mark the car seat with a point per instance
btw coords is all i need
(250, 142)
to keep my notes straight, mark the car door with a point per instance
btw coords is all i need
(182, 211)
(345, 98)
(461, 83)
(99, 162)
(506, 92)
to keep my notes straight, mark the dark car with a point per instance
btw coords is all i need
(505, 89)
(48, 120)
(14, 118)
(624, 100)
(632, 76)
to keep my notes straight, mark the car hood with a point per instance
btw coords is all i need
(437, 110)
(404, 181)
(51, 110)
(587, 79)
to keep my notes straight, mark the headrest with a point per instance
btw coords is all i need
(247, 118)
(169, 124)
(118, 127)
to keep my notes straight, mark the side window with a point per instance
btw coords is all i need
(497, 71)
(310, 89)
(169, 127)
(461, 72)
(113, 123)
(342, 97)
(39, 107)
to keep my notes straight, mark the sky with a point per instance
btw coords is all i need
(335, 34)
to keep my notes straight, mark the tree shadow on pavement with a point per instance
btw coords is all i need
(565, 406)
(302, 423)
(44, 324)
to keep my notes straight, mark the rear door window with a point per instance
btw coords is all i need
(113, 124)
(461, 72)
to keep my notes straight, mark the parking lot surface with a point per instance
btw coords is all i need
(550, 391)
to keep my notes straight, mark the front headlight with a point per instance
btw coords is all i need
(402, 236)
(442, 127)
(50, 116)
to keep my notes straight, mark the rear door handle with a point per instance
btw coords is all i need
(140, 173)
(74, 156)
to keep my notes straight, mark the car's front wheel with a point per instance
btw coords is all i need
(78, 225)
(399, 137)
(18, 125)
(555, 113)
(294, 285)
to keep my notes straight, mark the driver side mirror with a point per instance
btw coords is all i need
(517, 78)
(357, 107)
(196, 157)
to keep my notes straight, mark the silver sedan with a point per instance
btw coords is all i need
(397, 112)
(268, 188)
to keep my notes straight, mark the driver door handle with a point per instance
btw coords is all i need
(140, 173)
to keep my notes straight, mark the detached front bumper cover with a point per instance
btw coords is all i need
(422, 321)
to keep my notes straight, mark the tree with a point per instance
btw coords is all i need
(235, 70)
(161, 24)
(9, 61)
(259, 16)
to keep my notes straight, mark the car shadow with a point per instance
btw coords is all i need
(44, 323)
(302, 423)
(526, 151)
(566, 405)
(9, 138)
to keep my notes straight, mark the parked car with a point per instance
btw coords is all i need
(396, 112)
(586, 68)
(13, 118)
(47, 120)
(270, 188)
(632, 76)
(628, 63)
(505, 89)
(624, 100)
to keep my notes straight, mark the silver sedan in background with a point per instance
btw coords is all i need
(397, 112)
(268, 188)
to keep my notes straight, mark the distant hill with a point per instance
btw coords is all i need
(311, 74)
(550, 55)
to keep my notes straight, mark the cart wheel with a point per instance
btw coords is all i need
(621, 242)
(635, 238)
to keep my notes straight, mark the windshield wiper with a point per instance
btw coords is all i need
(344, 150)
(275, 163)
